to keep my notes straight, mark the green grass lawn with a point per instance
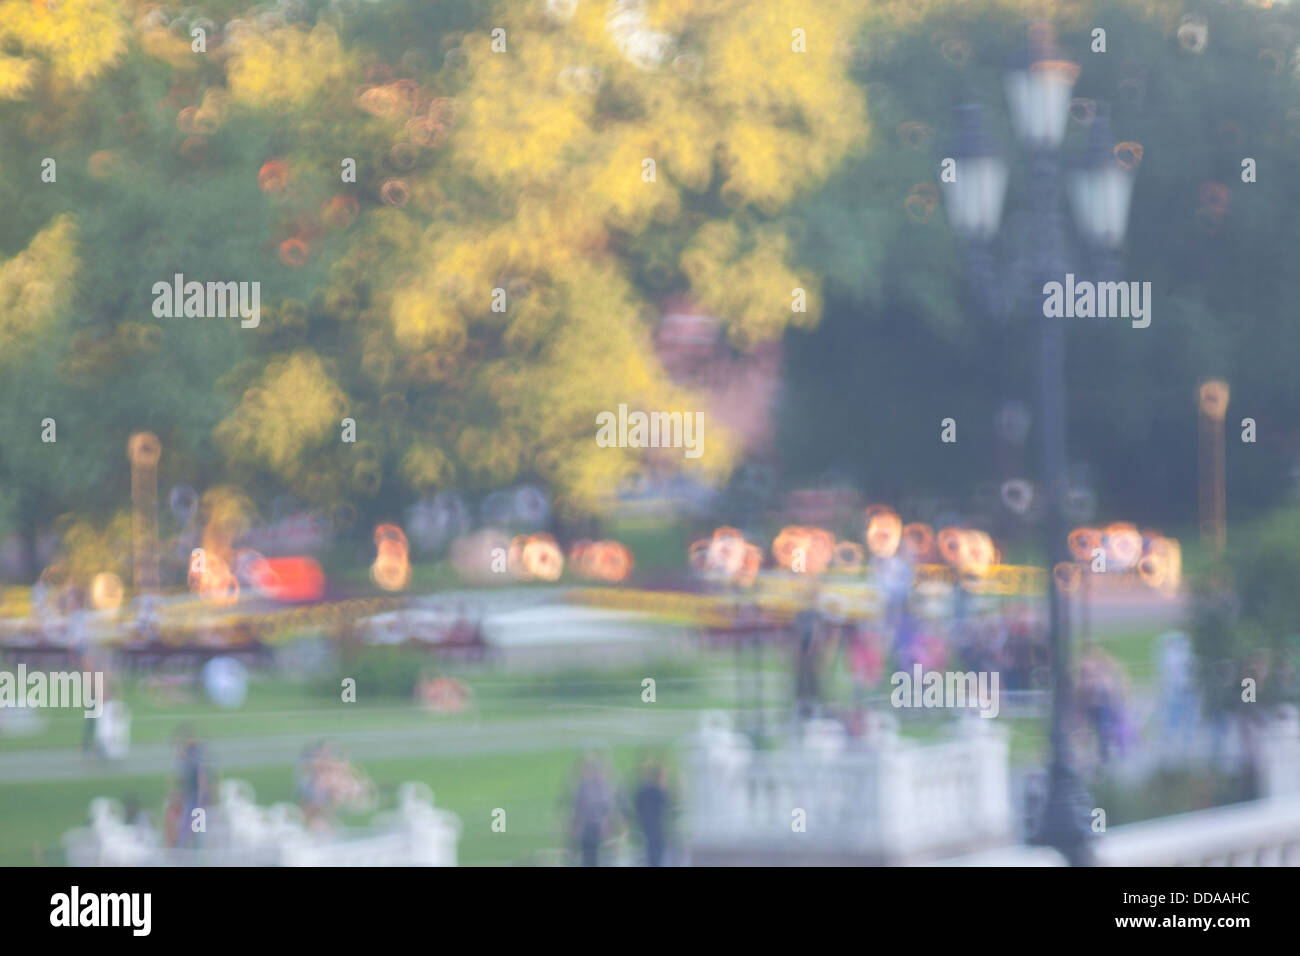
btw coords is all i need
(528, 786)
(283, 706)
(1134, 650)
(527, 783)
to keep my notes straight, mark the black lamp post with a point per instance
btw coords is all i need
(1038, 90)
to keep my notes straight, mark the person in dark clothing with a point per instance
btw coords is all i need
(807, 686)
(192, 771)
(651, 804)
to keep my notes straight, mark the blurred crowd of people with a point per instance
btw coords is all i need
(325, 783)
(1187, 711)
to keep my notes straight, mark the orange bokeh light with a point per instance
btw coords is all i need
(802, 549)
(1123, 546)
(1083, 541)
(392, 567)
(884, 531)
(535, 557)
(1067, 576)
(918, 539)
(601, 560)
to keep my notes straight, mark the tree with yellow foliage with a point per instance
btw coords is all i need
(464, 218)
(515, 189)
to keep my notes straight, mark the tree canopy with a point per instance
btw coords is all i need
(490, 279)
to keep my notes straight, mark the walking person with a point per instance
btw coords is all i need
(651, 803)
(195, 786)
(808, 625)
(1094, 699)
(593, 810)
(1179, 703)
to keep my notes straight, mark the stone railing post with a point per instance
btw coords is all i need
(1279, 754)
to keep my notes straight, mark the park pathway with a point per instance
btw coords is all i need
(594, 725)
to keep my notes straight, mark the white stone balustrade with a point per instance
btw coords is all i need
(886, 800)
(1254, 833)
(240, 833)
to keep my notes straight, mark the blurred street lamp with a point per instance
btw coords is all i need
(1038, 89)
(974, 200)
(1101, 188)
(1213, 405)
